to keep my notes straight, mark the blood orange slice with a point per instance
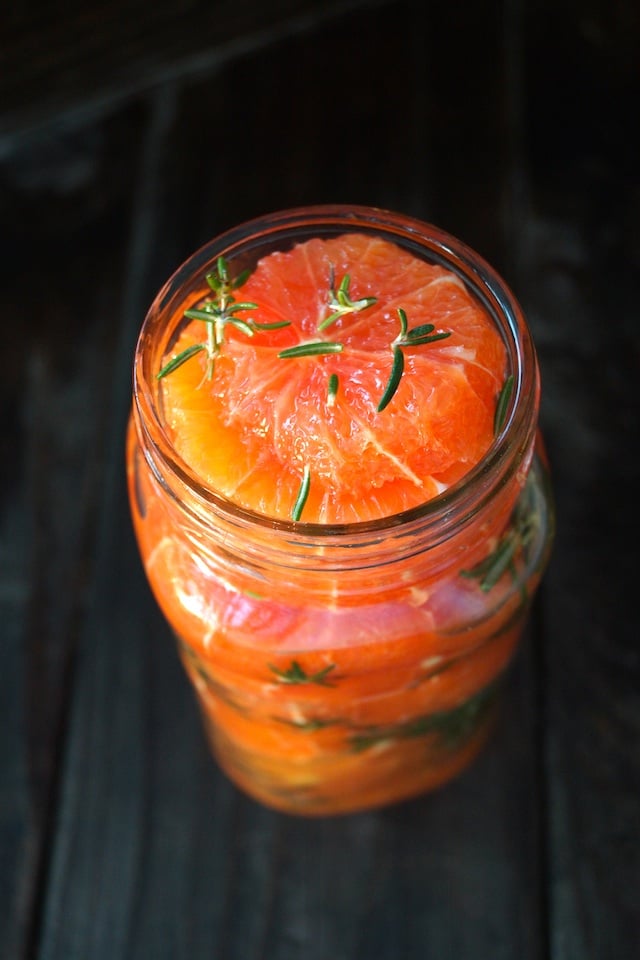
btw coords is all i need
(262, 421)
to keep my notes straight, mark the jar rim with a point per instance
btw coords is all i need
(466, 496)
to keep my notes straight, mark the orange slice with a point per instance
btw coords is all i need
(252, 429)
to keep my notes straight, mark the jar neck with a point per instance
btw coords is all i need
(459, 513)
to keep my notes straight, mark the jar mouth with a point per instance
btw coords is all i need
(256, 238)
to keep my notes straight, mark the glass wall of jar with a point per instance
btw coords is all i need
(343, 666)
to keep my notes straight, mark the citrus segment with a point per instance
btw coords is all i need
(251, 429)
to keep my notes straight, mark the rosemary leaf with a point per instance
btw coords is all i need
(340, 301)
(344, 285)
(329, 320)
(414, 340)
(241, 325)
(419, 331)
(297, 674)
(502, 405)
(503, 558)
(242, 306)
(313, 349)
(332, 389)
(303, 493)
(223, 270)
(241, 279)
(364, 303)
(276, 325)
(489, 571)
(179, 359)
(394, 379)
(199, 314)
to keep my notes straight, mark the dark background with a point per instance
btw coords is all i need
(130, 133)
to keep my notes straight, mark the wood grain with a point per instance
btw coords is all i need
(74, 60)
(579, 286)
(119, 837)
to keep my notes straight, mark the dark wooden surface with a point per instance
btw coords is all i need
(128, 138)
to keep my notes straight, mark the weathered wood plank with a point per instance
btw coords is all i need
(16, 846)
(90, 901)
(581, 290)
(58, 304)
(324, 117)
(73, 60)
(154, 853)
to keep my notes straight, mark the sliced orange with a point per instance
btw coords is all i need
(253, 428)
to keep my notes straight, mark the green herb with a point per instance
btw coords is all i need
(296, 674)
(490, 570)
(395, 376)
(417, 335)
(313, 349)
(523, 530)
(332, 389)
(502, 404)
(452, 727)
(216, 313)
(180, 358)
(275, 325)
(406, 338)
(303, 493)
(341, 303)
(221, 283)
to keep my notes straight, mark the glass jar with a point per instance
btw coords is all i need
(354, 665)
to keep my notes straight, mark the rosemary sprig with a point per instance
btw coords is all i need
(490, 570)
(216, 313)
(406, 338)
(312, 349)
(341, 303)
(450, 727)
(418, 335)
(514, 546)
(502, 404)
(297, 674)
(222, 284)
(303, 494)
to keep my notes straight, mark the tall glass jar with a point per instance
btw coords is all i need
(342, 667)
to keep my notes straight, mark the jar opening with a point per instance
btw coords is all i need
(242, 247)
